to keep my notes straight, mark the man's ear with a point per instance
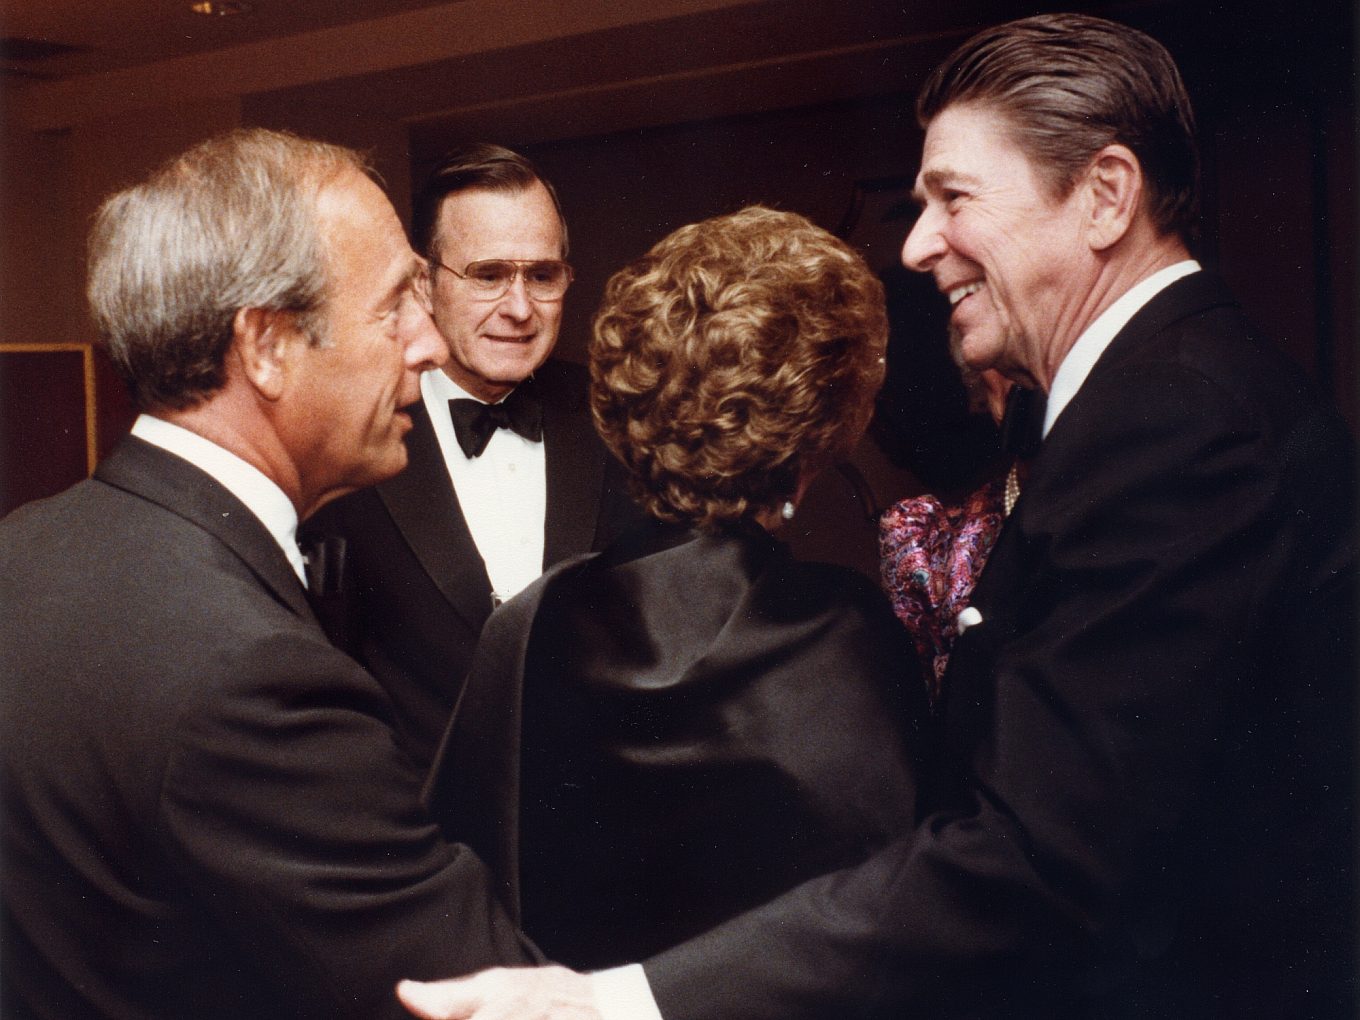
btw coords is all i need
(1115, 183)
(265, 341)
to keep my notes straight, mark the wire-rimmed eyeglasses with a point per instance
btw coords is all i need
(544, 279)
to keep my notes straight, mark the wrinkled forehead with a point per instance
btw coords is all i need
(966, 142)
(500, 223)
(977, 122)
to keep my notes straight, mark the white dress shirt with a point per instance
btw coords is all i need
(244, 481)
(1097, 336)
(503, 493)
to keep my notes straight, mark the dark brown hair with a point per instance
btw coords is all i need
(1071, 84)
(475, 165)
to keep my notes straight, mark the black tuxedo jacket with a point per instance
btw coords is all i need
(660, 736)
(205, 811)
(415, 590)
(1145, 807)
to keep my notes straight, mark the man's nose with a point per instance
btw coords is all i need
(516, 302)
(924, 244)
(424, 344)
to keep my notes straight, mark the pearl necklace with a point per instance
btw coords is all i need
(1012, 492)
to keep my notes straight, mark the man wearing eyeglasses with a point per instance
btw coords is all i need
(506, 474)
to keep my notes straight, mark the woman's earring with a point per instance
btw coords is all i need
(786, 511)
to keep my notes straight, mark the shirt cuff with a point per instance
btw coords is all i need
(622, 993)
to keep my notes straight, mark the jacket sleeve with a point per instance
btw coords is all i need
(287, 802)
(1101, 727)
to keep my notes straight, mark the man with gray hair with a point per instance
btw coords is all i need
(1145, 801)
(206, 813)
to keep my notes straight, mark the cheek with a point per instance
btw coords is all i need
(379, 371)
(443, 320)
(396, 365)
(988, 246)
(453, 320)
(991, 234)
(474, 322)
(550, 319)
(1006, 265)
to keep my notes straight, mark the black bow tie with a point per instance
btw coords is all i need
(1022, 429)
(474, 422)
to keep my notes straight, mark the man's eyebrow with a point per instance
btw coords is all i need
(398, 285)
(418, 268)
(938, 180)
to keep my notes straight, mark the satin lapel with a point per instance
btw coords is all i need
(575, 470)
(473, 787)
(425, 508)
(1190, 295)
(170, 481)
(1008, 565)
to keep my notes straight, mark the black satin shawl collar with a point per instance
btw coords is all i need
(666, 607)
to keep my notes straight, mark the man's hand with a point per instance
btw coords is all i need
(520, 993)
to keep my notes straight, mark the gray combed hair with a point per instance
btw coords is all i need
(230, 224)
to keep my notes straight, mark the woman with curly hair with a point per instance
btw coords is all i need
(692, 721)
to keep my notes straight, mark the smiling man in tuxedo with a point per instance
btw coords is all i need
(1144, 806)
(507, 475)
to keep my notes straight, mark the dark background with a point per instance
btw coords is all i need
(804, 106)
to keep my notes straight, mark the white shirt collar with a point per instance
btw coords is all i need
(436, 386)
(1097, 336)
(502, 494)
(246, 482)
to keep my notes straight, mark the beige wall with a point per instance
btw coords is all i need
(1280, 174)
(54, 182)
(38, 275)
(383, 141)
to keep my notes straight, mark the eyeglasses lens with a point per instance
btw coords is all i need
(545, 281)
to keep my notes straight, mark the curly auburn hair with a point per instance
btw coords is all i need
(738, 356)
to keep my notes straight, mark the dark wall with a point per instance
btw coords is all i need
(1276, 105)
(58, 402)
(625, 192)
(1274, 88)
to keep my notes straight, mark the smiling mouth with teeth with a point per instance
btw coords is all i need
(959, 293)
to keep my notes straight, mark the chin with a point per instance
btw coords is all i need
(973, 354)
(968, 350)
(520, 364)
(396, 464)
(392, 464)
